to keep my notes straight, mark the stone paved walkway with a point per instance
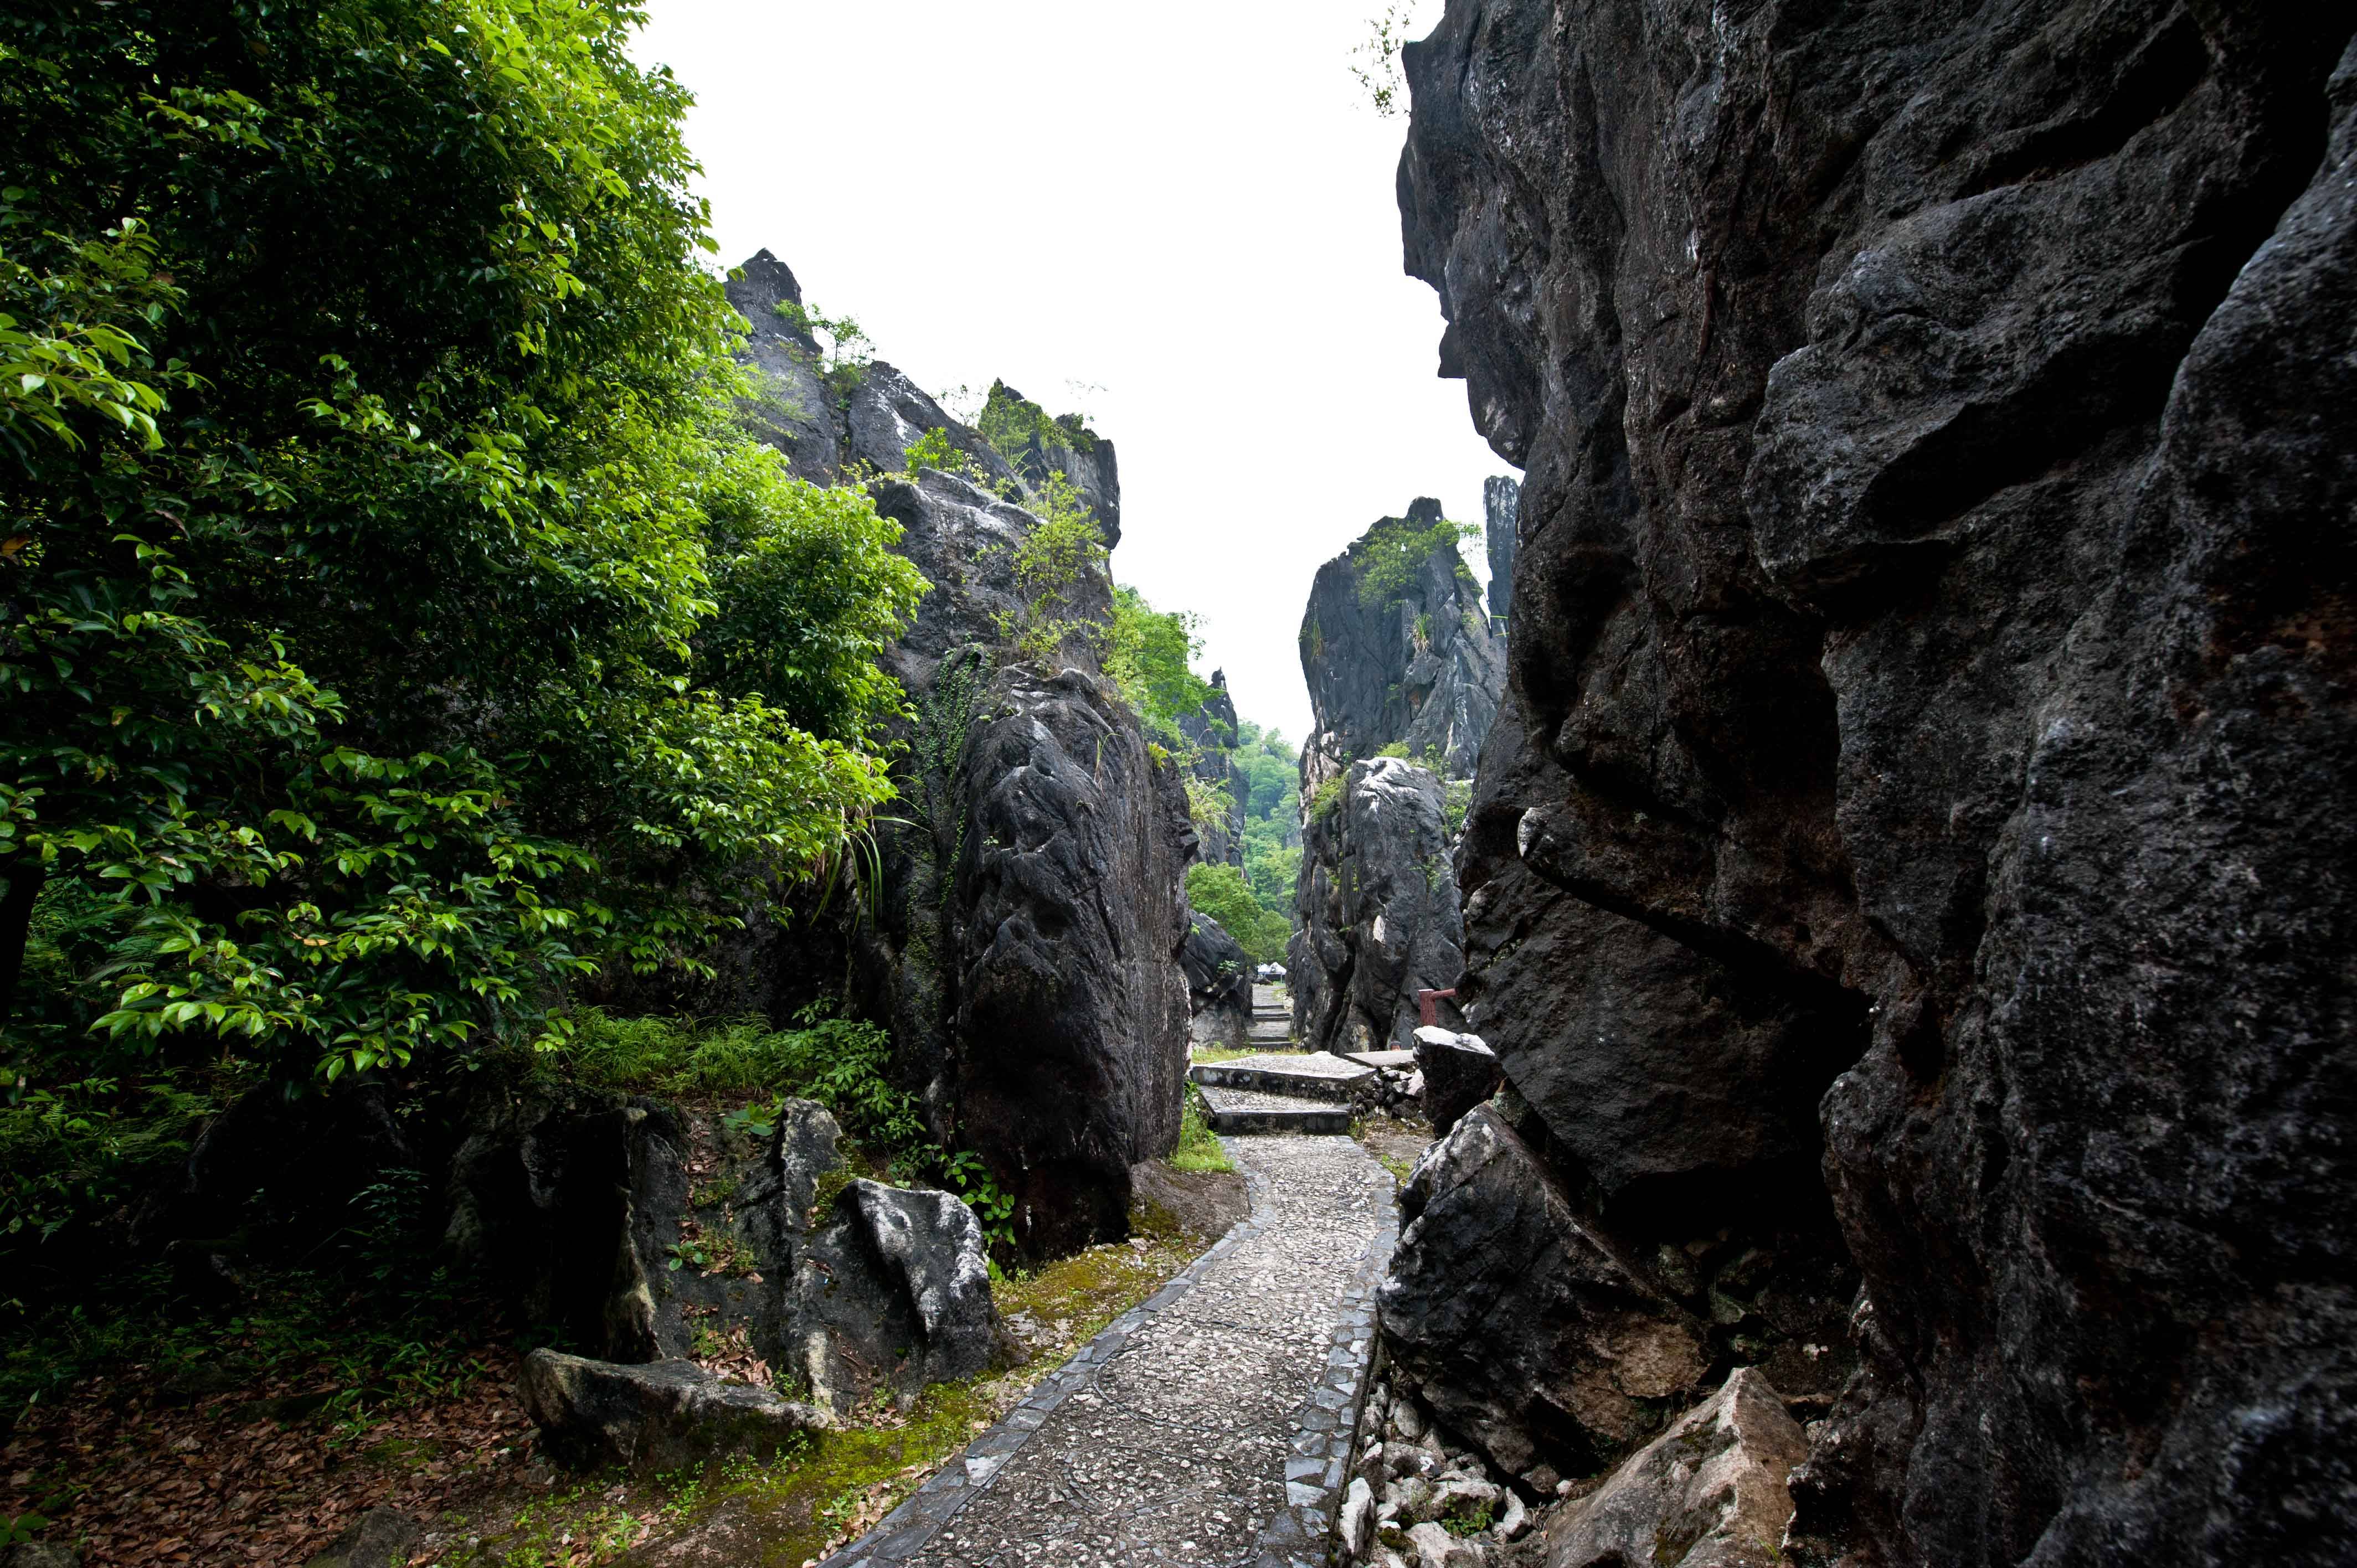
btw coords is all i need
(1208, 1429)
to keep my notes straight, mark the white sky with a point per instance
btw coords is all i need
(1187, 213)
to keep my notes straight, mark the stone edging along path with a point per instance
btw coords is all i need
(1211, 1425)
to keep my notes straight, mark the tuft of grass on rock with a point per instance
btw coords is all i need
(1199, 1147)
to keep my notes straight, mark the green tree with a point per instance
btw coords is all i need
(392, 616)
(1219, 891)
(1148, 653)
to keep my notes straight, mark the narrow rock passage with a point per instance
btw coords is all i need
(1209, 1428)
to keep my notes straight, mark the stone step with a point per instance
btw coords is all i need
(1306, 1075)
(1394, 1061)
(1270, 1034)
(1250, 1111)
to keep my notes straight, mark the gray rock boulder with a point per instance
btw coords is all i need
(653, 1416)
(39, 1554)
(893, 1294)
(1929, 707)
(1460, 1072)
(1710, 1492)
(381, 1537)
(1218, 985)
(1376, 916)
(1527, 1332)
(567, 1201)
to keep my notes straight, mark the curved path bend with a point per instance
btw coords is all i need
(1209, 1427)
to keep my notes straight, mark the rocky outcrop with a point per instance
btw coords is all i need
(649, 1233)
(658, 1416)
(1919, 800)
(792, 409)
(1459, 1071)
(1708, 1493)
(1526, 1330)
(1211, 731)
(1396, 648)
(894, 1294)
(1376, 910)
(1502, 517)
(1218, 985)
(1024, 948)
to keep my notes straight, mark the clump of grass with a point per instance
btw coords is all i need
(1199, 1147)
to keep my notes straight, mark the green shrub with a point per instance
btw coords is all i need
(1393, 551)
(1199, 1147)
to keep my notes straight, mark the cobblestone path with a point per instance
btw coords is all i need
(1210, 1427)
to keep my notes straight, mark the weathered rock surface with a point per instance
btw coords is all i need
(1218, 985)
(1376, 916)
(793, 410)
(1418, 667)
(1026, 952)
(1708, 1493)
(654, 1416)
(1460, 1072)
(1501, 518)
(1527, 1332)
(895, 1293)
(1211, 730)
(381, 1537)
(1930, 698)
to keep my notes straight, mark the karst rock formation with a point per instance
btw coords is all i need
(1026, 949)
(1908, 884)
(1398, 654)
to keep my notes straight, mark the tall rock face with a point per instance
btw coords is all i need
(1376, 910)
(1211, 731)
(1397, 648)
(1025, 937)
(1502, 515)
(1920, 796)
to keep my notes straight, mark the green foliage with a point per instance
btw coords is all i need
(1199, 1148)
(1327, 797)
(1394, 551)
(1458, 801)
(394, 621)
(1222, 892)
(1147, 654)
(1013, 424)
(1063, 553)
(844, 352)
(1208, 806)
(934, 449)
(1376, 62)
(843, 1064)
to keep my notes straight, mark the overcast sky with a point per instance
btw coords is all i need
(1178, 221)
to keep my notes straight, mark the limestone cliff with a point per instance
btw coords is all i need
(1918, 820)
(1396, 648)
(1024, 948)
